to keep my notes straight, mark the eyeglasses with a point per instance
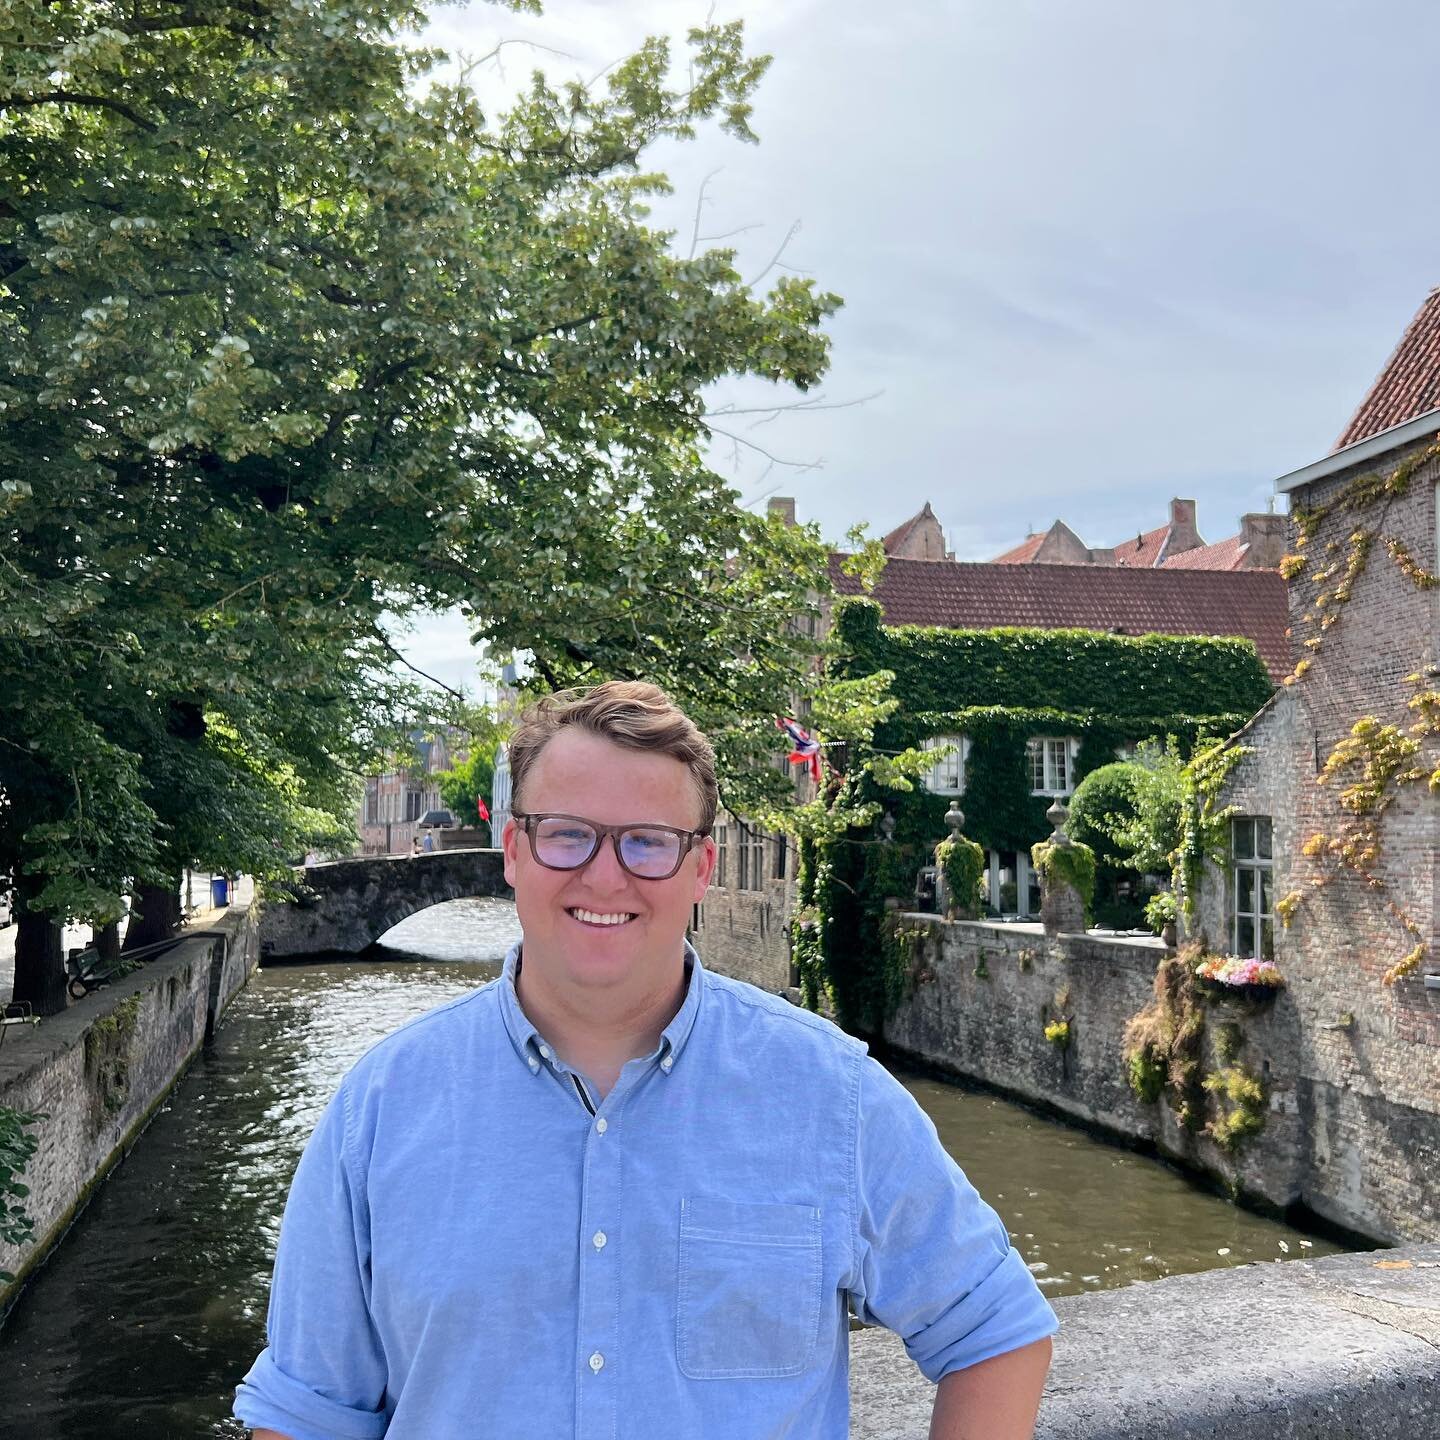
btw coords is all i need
(566, 842)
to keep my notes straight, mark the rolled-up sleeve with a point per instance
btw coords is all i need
(322, 1375)
(932, 1262)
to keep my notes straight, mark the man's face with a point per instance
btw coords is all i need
(578, 773)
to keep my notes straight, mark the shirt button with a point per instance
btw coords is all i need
(601, 1125)
(534, 1063)
(597, 1362)
(545, 1051)
(667, 1062)
(598, 1240)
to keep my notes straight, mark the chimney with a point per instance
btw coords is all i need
(783, 506)
(1183, 533)
(1266, 536)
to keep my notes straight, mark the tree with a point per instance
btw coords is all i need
(295, 340)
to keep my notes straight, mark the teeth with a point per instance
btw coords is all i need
(591, 917)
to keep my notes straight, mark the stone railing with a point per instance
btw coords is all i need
(1345, 1348)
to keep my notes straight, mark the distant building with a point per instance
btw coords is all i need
(395, 800)
(1177, 544)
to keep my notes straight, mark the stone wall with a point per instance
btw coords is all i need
(984, 993)
(99, 1071)
(745, 933)
(1336, 1349)
(345, 906)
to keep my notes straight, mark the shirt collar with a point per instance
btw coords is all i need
(526, 1038)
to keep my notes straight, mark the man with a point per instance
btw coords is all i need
(613, 1195)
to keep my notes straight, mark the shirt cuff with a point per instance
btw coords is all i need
(1005, 1311)
(269, 1399)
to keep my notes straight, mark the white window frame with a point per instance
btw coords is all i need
(1260, 869)
(1048, 749)
(947, 775)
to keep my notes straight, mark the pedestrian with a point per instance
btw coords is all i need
(612, 1194)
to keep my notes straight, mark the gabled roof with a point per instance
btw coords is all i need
(1023, 553)
(901, 533)
(1120, 600)
(1143, 552)
(1222, 555)
(1409, 385)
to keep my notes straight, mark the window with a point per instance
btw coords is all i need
(372, 802)
(722, 855)
(752, 858)
(1253, 932)
(947, 775)
(1051, 765)
(414, 804)
(778, 844)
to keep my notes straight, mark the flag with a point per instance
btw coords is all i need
(806, 749)
(480, 806)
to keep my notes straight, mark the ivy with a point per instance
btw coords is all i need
(1072, 865)
(962, 862)
(17, 1147)
(1372, 765)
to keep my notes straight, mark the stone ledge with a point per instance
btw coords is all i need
(1345, 1348)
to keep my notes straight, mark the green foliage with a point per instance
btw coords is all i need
(962, 862)
(1241, 1112)
(1072, 865)
(1161, 910)
(1165, 1042)
(1205, 833)
(1147, 1073)
(301, 338)
(1103, 808)
(17, 1147)
(462, 784)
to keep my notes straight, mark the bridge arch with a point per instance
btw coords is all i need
(345, 906)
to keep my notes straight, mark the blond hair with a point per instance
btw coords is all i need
(631, 713)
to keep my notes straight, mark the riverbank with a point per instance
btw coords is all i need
(97, 1073)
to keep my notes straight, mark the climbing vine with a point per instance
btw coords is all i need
(962, 863)
(17, 1146)
(1205, 820)
(1372, 765)
(1072, 864)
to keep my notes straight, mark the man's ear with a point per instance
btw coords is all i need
(509, 843)
(705, 869)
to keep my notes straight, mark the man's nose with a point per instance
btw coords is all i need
(605, 870)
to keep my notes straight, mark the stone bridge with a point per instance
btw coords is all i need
(347, 905)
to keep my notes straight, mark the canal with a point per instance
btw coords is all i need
(153, 1308)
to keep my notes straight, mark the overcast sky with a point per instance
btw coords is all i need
(1093, 255)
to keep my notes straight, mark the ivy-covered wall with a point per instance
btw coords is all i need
(998, 688)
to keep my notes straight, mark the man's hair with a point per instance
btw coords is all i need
(631, 713)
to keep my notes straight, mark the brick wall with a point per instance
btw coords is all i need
(1367, 1062)
(745, 933)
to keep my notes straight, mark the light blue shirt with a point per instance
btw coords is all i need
(469, 1251)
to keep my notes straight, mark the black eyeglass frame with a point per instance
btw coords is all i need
(687, 838)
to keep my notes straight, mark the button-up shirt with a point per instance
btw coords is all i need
(477, 1244)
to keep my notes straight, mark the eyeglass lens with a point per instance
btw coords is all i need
(566, 844)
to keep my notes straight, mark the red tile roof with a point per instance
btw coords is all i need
(1222, 555)
(1409, 385)
(1144, 551)
(1023, 553)
(976, 595)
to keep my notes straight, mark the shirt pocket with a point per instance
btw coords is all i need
(749, 1289)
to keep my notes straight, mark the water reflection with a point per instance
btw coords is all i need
(144, 1320)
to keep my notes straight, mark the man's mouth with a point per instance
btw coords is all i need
(595, 917)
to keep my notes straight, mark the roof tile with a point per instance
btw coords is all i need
(1409, 385)
(977, 595)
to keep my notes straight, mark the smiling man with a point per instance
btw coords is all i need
(614, 1195)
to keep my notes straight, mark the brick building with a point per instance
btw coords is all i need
(1176, 545)
(393, 801)
(742, 927)
(1365, 1042)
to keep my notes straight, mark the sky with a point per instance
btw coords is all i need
(1092, 256)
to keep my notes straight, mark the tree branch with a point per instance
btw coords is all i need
(72, 97)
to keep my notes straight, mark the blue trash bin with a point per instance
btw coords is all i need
(219, 891)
